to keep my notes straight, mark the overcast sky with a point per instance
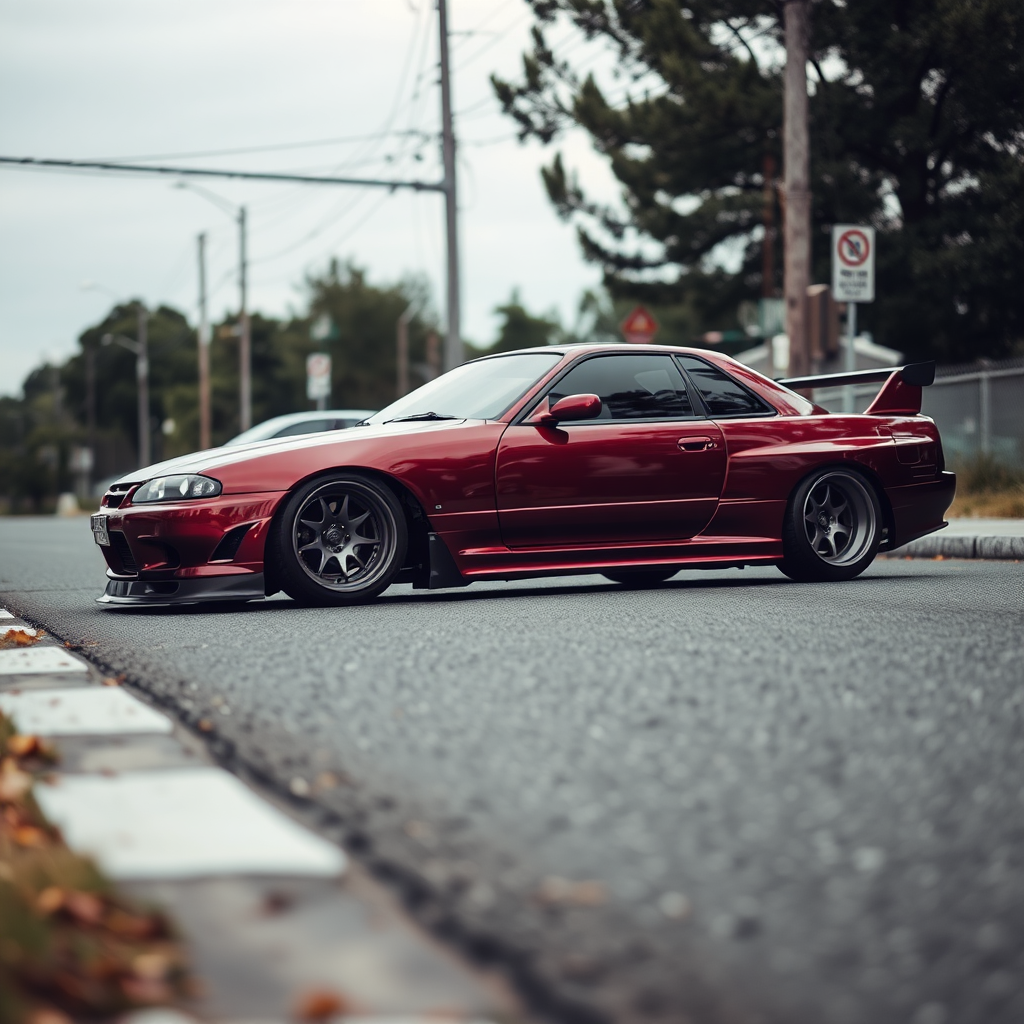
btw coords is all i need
(88, 79)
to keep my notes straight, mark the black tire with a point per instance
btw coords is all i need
(833, 527)
(640, 577)
(339, 539)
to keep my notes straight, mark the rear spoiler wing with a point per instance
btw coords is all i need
(901, 395)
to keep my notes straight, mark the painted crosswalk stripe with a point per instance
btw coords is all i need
(39, 661)
(182, 823)
(92, 711)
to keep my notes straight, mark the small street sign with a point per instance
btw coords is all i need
(853, 263)
(639, 327)
(318, 376)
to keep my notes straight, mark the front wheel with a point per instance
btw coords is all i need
(833, 527)
(339, 539)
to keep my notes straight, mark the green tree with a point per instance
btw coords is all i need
(521, 329)
(917, 124)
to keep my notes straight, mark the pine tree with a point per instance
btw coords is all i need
(917, 127)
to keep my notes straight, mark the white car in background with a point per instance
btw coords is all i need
(312, 422)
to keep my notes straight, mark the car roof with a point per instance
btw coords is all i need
(316, 414)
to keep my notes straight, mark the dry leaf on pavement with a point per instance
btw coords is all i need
(319, 1004)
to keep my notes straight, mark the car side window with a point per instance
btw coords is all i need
(305, 427)
(722, 395)
(640, 387)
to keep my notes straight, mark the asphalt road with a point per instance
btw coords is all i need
(796, 802)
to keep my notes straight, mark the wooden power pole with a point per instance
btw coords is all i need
(796, 155)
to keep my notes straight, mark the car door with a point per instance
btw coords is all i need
(649, 468)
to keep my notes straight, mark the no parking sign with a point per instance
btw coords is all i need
(853, 263)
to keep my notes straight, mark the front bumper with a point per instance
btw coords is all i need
(164, 593)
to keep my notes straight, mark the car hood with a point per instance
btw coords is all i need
(209, 461)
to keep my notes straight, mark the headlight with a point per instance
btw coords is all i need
(176, 488)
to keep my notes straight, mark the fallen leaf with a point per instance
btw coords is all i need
(84, 906)
(146, 990)
(555, 891)
(14, 783)
(21, 637)
(319, 1004)
(48, 1015)
(50, 900)
(131, 926)
(114, 680)
(22, 744)
(152, 966)
(205, 725)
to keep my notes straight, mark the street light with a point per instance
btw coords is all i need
(245, 336)
(141, 349)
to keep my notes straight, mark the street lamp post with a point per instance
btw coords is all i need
(140, 347)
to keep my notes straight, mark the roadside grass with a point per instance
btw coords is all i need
(71, 948)
(988, 489)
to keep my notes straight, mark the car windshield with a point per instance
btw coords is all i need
(480, 390)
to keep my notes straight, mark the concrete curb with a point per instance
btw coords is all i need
(263, 936)
(939, 545)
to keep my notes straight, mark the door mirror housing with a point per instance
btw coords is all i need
(572, 407)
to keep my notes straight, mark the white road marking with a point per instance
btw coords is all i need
(87, 711)
(39, 661)
(182, 823)
(5, 614)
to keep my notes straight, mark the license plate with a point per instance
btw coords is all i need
(100, 533)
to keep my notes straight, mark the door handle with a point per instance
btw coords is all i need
(696, 444)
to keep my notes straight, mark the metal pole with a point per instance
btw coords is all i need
(402, 352)
(90, 412)
(245, 337)
(453, 352)
(851, 354)
(142, 374)
(204, 352)
(985, 411)
(798, 194)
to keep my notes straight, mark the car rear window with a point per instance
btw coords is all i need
(722, 395)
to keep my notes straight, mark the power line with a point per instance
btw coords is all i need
(267, 148)
(32, 163)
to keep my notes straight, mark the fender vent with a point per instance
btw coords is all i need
(229, 544)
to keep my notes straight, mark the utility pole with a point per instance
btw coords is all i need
(90, 412)
(244, 336)
(142, 377)
(453, 352)
(402, 351)
(204, 352)
(798, 193)
(768, 216)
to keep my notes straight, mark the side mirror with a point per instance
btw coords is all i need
(573, 407)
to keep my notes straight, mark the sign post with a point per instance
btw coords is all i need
(639, 327)
(318, 378)
(853, 281)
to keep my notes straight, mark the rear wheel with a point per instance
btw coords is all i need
(833, 527)
(339, 540)
(640, 577)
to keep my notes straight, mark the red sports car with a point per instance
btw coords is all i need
(629, 461)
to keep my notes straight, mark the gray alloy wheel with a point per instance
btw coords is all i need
(339, 540)
(833, 527)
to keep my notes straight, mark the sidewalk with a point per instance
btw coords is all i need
(277, 921)
(969, 538)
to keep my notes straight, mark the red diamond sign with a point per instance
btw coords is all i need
(639, 327)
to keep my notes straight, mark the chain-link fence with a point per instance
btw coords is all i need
(978, 408)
